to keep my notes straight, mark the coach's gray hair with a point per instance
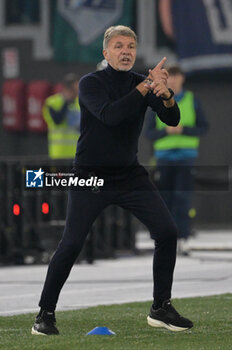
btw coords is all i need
(117, 30)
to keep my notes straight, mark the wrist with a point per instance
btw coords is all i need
(148, 81)
(169, 97)
(170, 103)
(142, 88)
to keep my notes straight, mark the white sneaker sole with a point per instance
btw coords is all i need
(34, 332)
(160, 324)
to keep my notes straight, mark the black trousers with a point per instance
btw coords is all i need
(135, 193)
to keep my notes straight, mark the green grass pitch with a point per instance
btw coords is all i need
(212, 317)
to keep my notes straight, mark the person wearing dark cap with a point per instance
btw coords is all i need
(62, 115)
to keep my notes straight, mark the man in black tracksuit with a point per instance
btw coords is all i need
(113, 103)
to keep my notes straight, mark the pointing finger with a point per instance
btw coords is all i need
(161, 63)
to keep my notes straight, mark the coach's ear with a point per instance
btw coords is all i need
(105, 54)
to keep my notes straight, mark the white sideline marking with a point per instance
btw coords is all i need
(10, 330)
(6, 297)
(89, 290)
(17, 311)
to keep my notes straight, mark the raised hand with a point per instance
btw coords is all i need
(159, 77)
(156, 82)
(159, 73)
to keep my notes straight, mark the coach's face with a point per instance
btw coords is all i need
(121, 52)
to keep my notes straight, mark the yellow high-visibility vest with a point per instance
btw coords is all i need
(62, 139)
(187, 118)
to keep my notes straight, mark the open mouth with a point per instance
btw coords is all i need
(126, 60)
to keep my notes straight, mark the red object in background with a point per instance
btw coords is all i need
(57, 88)
(16, 209)
(37, 92)
(13, 102)
(45, 208)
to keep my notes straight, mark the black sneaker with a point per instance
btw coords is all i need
(45, 324)
(168, 317)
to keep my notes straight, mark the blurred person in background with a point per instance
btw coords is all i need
(165, 13)
(113, 104)
(62, 115)
(175, 150)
